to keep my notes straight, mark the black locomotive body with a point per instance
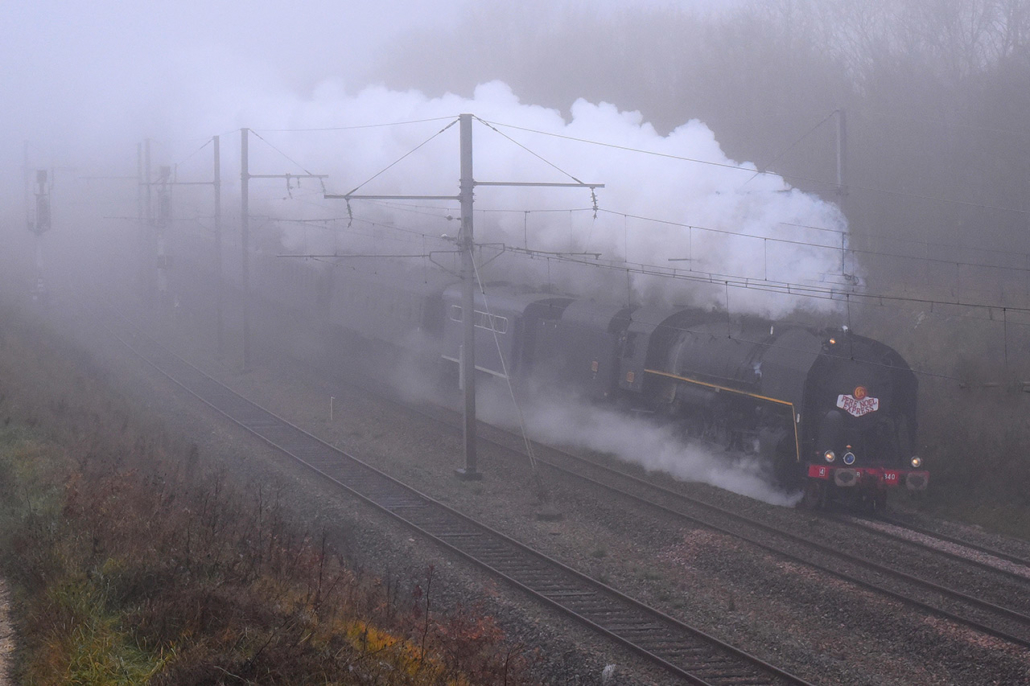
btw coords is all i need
(827, 410)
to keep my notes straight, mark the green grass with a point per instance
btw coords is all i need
(99, 651)
(130, 563)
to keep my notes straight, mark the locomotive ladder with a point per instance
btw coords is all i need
(680, 649)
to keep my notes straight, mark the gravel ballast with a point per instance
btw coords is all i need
(816, 626)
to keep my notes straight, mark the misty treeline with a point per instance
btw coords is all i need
(936, 94)
(937, 98)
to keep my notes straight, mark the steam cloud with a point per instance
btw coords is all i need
(754, 225)
(747, 217)
(747, 225)
(636, 441)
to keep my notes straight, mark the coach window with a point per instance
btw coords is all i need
(455, 313)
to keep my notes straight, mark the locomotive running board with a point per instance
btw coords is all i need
(793, 413)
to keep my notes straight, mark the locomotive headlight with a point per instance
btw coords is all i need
(830, 455)
(917, 462)
(849, 458)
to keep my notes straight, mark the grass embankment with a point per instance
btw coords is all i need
(977, 443)
(130, 564)
(974, 418)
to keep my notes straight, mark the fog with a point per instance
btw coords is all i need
(696, 97)
(639, 222)
(100, 81)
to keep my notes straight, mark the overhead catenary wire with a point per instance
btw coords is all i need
(853, 251)
(359, 219)
(358, 127)
(726, 281)
(727, 232)
(435, 212)
(805, 290)
(399, 159)
(791, 241)
(531, 152)
(943, 124)
(791, 146)
(739, 281)
(757, 172)
(641, 151)
(791, 288)
(779, 287)
(287, 157)
(194, 153)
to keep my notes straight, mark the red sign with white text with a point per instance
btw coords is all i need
(818, 471)
(885, 477)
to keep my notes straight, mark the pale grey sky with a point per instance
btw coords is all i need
(77, 76)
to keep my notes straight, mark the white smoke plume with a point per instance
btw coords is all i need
(656, 448)
(86, 84)
(747, 225)
(85, 89)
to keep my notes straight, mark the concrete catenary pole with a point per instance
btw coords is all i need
(245, 239)
(148, 222)
(842, 170)
(164, 175)
(146, 181)
(139, 189)
(468, 317)
(28, 187)
(466, 245)
(218, 239)
(141, 233)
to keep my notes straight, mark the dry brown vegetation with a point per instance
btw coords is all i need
(978, 441)
(974, 416)
(132, 564)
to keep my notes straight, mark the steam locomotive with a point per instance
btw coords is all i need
(827, 410)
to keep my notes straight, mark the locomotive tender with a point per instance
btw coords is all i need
(827, 410)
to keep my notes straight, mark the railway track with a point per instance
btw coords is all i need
(965, 550)
(682, 650)
(993, 616)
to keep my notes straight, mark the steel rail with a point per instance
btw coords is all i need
(887, 571)
(1018, 617)
(681, 649)
(986, 550)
